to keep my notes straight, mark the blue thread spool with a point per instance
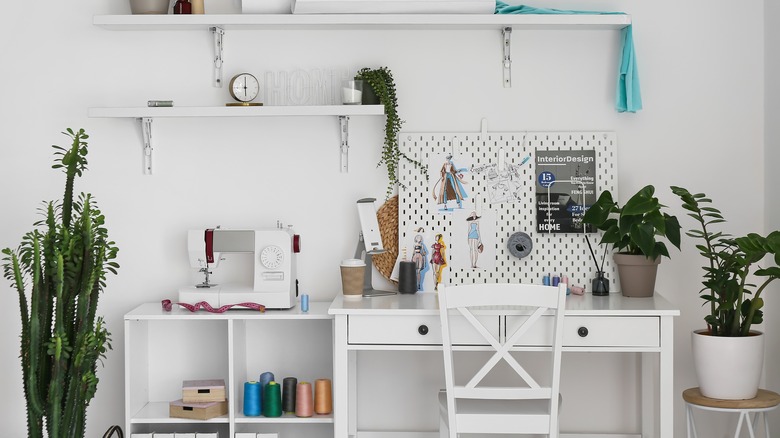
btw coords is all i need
(555, 281)
(546, 280)
(304, 303)
(264, 379)
(252, 399)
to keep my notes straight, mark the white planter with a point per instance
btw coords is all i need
(728, 368)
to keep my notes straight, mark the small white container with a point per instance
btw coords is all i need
(352, 92)
(266, 7)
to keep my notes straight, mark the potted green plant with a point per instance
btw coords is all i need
(634, 231)
(728, 354)
(379, 83)
(60, 269)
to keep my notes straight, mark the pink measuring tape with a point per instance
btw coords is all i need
(167, 306)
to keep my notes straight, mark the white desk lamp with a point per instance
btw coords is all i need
(370, 233)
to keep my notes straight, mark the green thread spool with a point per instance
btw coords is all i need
(272, 400)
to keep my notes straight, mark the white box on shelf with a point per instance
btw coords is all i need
(207, 435)
(245, 435)
(184, 435)
(164, 435)
(142, 435)
(393, 6)
(268, 435)
(266, 7)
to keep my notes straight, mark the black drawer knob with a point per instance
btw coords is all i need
(423, 329)
(582, 331)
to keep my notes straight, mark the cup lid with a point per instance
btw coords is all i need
(353, 262)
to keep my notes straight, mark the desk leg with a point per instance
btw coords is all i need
(341, 383)
(666, 378)
(658, 386)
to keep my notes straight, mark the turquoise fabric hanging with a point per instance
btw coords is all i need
(628, 96)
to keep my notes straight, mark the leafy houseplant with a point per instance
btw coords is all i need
(60, 269)
(633, 230)
(382, 84)
(729, 263)
(728, 343)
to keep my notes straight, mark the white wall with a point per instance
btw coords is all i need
(702, 70)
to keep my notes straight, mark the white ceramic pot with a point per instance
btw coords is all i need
(149, 6)
(728, 368)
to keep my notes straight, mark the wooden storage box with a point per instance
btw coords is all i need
(201, 391)
(197, 411)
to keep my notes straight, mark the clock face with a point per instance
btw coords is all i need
(271, 257)
(520, 244)
(244, 87)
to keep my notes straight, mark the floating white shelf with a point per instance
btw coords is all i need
(249, 111)
(147, 114)
(360, 21)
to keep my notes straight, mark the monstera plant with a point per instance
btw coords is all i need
(59, 270)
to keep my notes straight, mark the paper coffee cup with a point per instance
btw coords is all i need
(352, 277)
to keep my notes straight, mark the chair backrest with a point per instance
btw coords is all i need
(537, 305)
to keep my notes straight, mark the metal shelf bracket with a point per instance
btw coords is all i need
(146, 130)
(507, 31)
(344, 124)
(217, 32)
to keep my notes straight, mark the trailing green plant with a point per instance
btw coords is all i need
(634, 228)
(734, 304)
(381, 82)
(60, 269)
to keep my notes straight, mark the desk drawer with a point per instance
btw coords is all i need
(593, 331)
(408, 329)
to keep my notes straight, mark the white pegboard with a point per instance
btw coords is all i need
(552, 254)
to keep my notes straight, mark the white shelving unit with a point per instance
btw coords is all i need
(162, 349)
(146, 116)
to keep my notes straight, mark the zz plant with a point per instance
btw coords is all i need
(734, 304)
(59, 270)
(381, 82)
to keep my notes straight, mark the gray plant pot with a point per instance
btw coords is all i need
(637, 274)
(149, 6)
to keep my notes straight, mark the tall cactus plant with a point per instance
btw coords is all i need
(59, 270)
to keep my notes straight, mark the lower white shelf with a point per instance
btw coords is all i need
(157, 412)
(285, 419)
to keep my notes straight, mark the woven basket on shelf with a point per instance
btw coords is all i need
(387, 215)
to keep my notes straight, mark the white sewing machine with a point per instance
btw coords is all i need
(273, 253)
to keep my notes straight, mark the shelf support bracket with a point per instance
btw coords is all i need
(217, 32)
(507, 31)
(146, 130)
(344, 124)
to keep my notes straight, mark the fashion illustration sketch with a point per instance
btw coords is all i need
(449, 191)
(438, 259)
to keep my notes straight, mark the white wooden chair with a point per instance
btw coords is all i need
(525, 408)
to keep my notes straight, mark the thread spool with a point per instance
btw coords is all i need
(407, 278)
(304, 303)
(272, 400)
(252, 407)
(304, 405)
(323, 400)
(263, 380)
(289, 388)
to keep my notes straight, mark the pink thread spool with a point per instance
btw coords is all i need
(304, 404)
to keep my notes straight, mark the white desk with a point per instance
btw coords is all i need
(411, 322)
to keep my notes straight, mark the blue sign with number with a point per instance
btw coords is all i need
(546, 179)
